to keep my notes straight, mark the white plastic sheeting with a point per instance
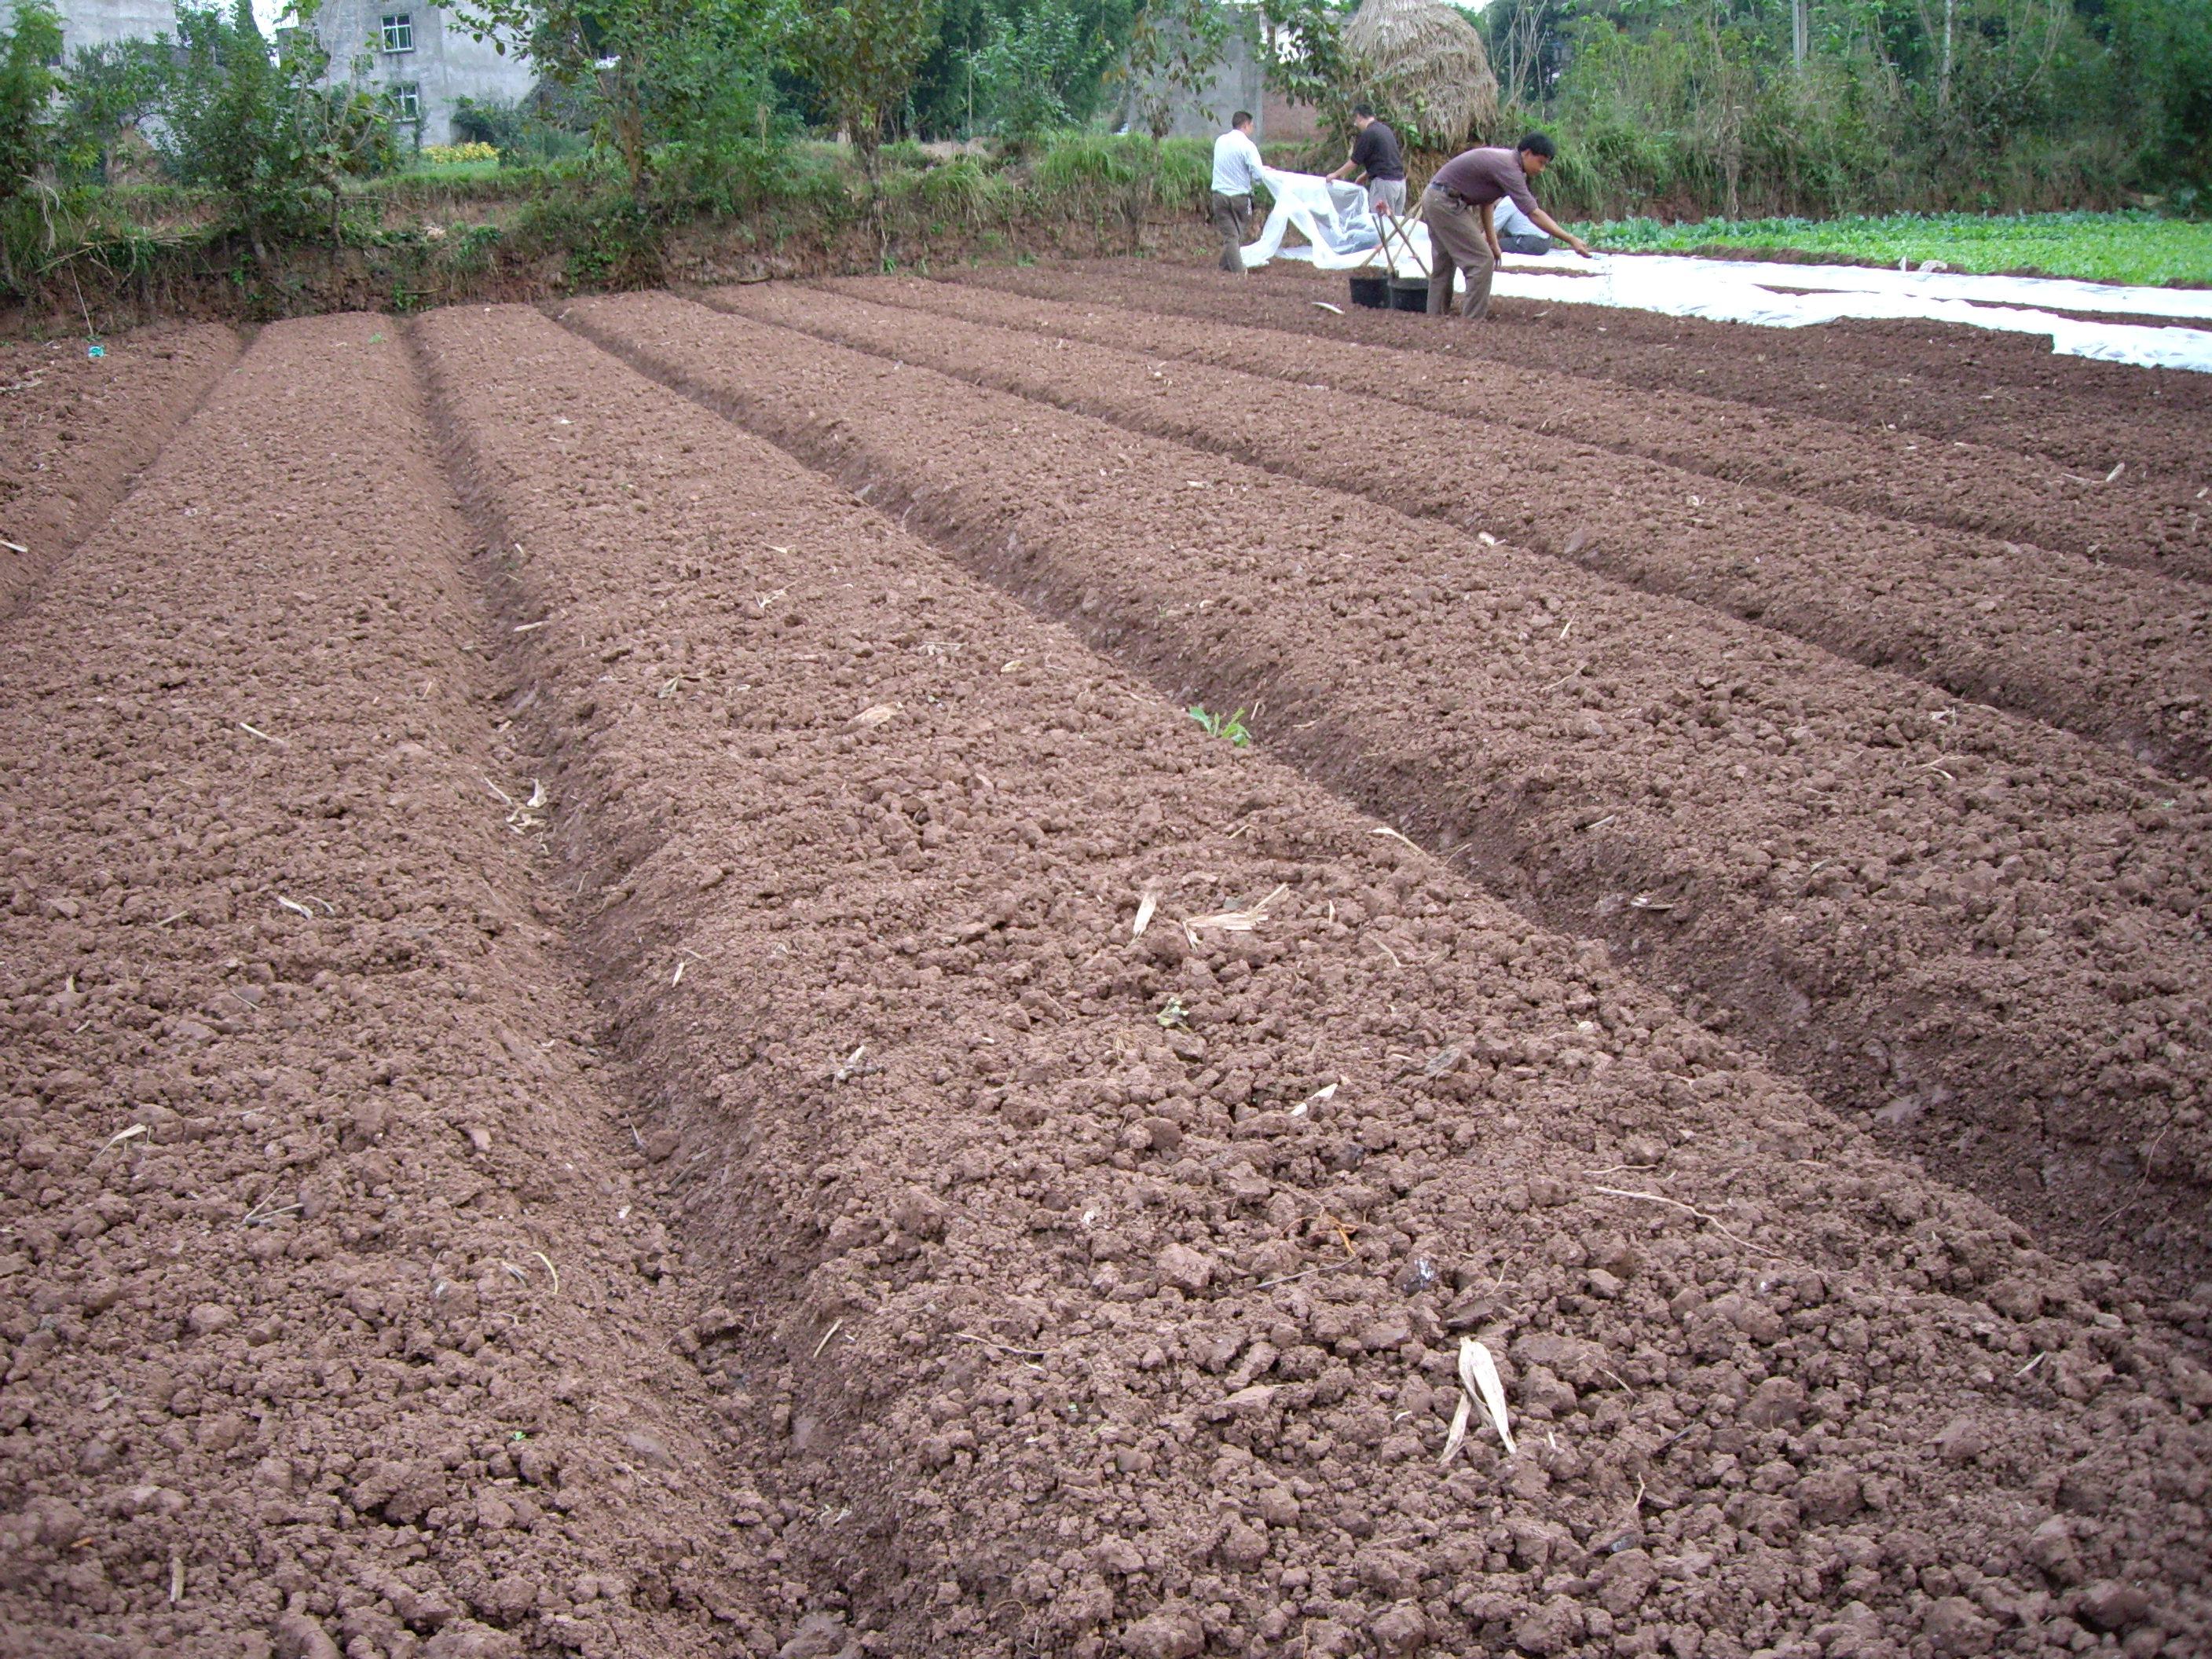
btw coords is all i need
(2045, 293)
(1716, 288)
(1333, 216)
(1340, 235)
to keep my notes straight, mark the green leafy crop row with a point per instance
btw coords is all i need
(2130, 248)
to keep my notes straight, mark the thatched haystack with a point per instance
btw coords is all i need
(1425, 67)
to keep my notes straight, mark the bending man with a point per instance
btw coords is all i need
(1457, 208)
(1235, 174)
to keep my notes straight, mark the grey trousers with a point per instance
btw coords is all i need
(1230, 214)
(1456, 243)
(1392, 191)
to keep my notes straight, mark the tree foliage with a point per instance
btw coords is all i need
(2161, 52)
(1686, 104)
(1043, 70)
(110, 88)
(29, 194)
(1305, 58)
(648, 73)
(1016, 67)
(263, 129)
(1175, 46)
(864, 55)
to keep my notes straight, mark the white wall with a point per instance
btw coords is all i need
(446, 64)
(95, 22)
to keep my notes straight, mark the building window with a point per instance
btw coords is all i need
(399, 31)
(407, 100)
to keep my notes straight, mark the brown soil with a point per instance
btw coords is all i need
(302, 1115)
(1874, 470)
(2116, 655)
(611, 1096)
(75, 430)
(1862, 870)
(1086, 1329)
(2008, 392)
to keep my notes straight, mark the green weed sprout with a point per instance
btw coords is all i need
(1230, 726)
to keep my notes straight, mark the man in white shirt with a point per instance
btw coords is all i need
(1237, 167)
(1517, 231)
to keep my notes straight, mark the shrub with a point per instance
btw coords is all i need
(264, 132)
(439, 156)
(30, 203)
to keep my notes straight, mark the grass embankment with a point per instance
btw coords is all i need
(439, 234)
(2133, 247)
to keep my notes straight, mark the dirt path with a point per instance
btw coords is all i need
(74, 431)
(2119, 656)
(1936, 913)
(334, 1317)
(1088, 1330)
(1860, 468)
(1950, 383)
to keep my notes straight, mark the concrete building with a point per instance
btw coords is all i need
(98, 22)
(419, 57)
(412, 52)
(1237, 82)
(1200, 112)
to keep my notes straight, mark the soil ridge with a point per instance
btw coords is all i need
(2009, 391)
(1109, 1336)
(331, 1315)
(1898, 475)
(1550, 816)
(80, 431)
(2119, 656)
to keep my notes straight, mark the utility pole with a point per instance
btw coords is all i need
(1800, 32)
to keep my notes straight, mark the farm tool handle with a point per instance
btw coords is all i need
(1397, 237)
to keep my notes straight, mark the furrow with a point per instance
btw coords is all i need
(2117, 656)
(334, 1314)
(2005, 391)
(76, 431)
(1859, 469)
(1989, 934)
(1106, 1285)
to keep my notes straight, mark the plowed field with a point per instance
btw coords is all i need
(638, 1023)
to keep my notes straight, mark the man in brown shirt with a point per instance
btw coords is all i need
(1457, 208)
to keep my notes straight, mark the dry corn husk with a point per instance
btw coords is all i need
(1478, 1381)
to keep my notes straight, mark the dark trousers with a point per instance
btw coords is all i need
(1456, 243)
(1230, 214)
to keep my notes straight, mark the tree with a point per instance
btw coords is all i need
(263, 129)
(864, 56)
(1304, 56)
(1043, 69)
(652, 71)
(29, 197)
(111, 88)
(1018, 66)
(1174, 50)
(2161, 63)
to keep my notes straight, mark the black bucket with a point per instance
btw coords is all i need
(1409, 295)
(1373, 292)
